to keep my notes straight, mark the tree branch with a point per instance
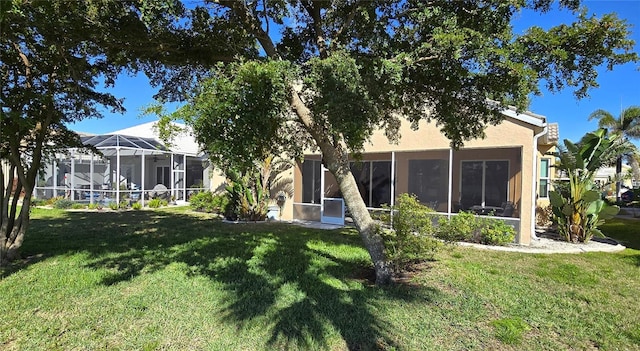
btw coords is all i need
(252, 24)
(27, 64)
(313, 9)
(346, 23)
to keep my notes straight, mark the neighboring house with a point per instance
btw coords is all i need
(605, 178)
(510, 168)
(133, 162)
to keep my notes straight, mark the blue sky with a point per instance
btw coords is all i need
(618, 89)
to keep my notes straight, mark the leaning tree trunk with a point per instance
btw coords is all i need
(336, 156)
(336, 159)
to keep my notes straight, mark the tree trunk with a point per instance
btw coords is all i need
(337, 161)
(12, 235)
(618, 178)
(336, 157)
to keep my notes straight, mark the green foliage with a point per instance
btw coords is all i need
(136, 206)
(56, 58)
(239, 113)
(338, 90)
(579, 210)
(337, 70)
(494, 231)
(466, 226)
(77, 206)
(248, 196)
(113, 205)
(411, 239)
(95, 206)
(206, 201)
(461, 227)
(156, 203)
(53, 200)
(510, 330)
(63, 203)
(39, 202)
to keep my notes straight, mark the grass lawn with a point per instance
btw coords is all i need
(151, 280)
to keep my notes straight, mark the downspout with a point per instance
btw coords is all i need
(535, 181)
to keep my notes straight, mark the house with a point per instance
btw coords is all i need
(510, 167)
(605, 179)
(134, 165)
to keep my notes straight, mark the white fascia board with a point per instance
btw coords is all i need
(539, 121)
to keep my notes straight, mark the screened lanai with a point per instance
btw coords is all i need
(127, 168)
(481, 180)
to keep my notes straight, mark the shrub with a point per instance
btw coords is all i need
(53, 200)
(461, 227)
(92, 206)
(411, 239)
(77, 206)
(136, 206)
(156, 203)
(63, 203)
(38, 202)
(495, 232)
(206, 201)
(466, 226)
(113, 205)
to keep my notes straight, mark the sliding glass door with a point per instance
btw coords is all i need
(484, 183)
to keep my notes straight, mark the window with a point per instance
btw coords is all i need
(374, 181)
(484, 183)
(429, 181)
(311, 181)
(163, 176)
(543, 190)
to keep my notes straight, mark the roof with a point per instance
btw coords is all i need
(553, 130)
(526, 116)
(132, 143)
(184, 142)
(553, 133)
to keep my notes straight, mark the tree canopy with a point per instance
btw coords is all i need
(263, 77)
(627, 126)
(55, 57)
(345, 68)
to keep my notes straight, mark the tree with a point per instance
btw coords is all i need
(330, 72)
(580, 209)
(627, 125)
(54, 56)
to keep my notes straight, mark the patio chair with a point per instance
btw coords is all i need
(159, 191)
(507, 209)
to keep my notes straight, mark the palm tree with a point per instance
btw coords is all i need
(627, 126)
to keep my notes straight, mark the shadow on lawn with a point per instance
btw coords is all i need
(279, 269)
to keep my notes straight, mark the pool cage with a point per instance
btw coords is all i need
(131, 169)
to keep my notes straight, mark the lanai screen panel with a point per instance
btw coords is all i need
(129, 145)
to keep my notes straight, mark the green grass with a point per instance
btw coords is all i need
(626, 231)
(171, 279)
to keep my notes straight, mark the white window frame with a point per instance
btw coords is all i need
(484, 170)
(547, 178)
